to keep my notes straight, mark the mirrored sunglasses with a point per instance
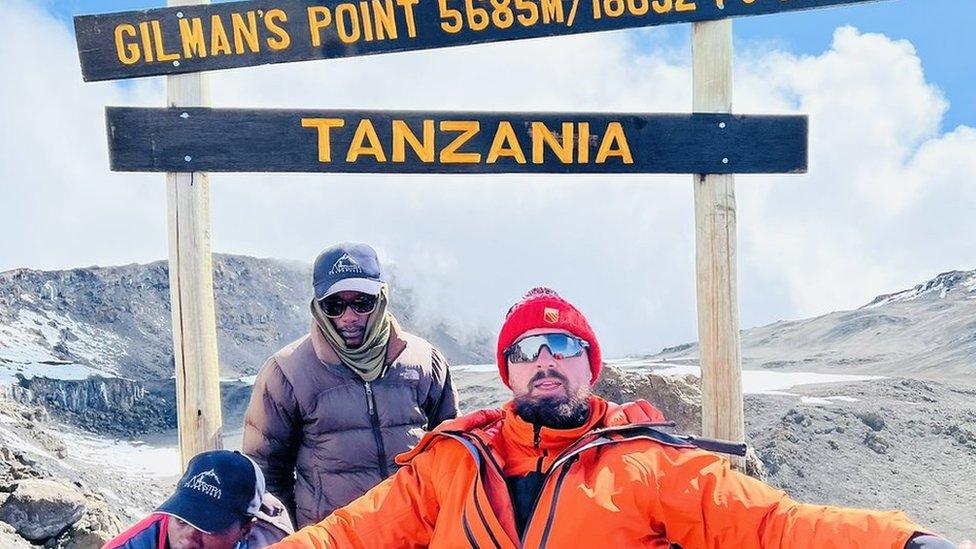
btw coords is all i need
(560, 346)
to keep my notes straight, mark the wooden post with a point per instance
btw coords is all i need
(191, 286)
(718, 313)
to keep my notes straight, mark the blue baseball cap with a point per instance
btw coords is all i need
(347, 266)
(220, 488)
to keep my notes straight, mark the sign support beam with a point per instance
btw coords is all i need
(191, 287)
(715, 235)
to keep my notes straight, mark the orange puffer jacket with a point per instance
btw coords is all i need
(615, 482)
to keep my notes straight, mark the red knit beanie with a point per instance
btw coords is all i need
(543, 308)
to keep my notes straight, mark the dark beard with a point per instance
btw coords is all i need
(554, 412)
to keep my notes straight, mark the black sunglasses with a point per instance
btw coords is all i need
(333, 307)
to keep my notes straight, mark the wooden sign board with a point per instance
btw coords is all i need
(238, 140)
(242, 34)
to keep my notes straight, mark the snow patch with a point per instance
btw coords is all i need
(762, 382)
(944, 283)
(247, 380)
(970, 285)
(826, 400)
(134, 459)
(475, 368)
(51, 344)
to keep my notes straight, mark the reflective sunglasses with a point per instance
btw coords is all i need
(333, 307)
(560, 346)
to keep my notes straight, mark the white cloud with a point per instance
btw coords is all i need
(60, 205)
(884, 205)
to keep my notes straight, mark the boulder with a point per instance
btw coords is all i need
(96, 528)
(9, 539)
(678, 397)
(40, 509)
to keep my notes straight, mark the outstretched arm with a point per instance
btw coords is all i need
(706, 504)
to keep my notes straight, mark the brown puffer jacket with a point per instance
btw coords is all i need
(323, 437)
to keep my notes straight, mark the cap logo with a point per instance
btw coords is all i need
(206, 482)
(551, 315)
(345, 264)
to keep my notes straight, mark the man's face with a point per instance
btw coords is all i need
(181, 535)
(551, 391)
(350, 324)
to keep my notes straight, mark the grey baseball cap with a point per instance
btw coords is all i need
(348, 266)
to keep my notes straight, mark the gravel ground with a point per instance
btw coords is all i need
(904, 444)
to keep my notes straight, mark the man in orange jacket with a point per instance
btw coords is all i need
(558, 467)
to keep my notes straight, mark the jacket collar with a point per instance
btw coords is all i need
(490, 422)
(518, 432)
(327, 355)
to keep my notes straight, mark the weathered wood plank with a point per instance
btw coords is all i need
(715, 248)
(257, 32)
(251, 140)
(191, 289)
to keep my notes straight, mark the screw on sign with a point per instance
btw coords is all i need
(264, 140)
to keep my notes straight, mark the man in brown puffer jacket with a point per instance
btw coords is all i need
(330, 411)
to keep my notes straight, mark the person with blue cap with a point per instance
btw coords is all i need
(330, 412)
(219, 503)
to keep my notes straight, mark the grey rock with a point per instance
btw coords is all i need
(96, 528)
(872, 419)
(876, 442)
(40, 509)
(679, 398)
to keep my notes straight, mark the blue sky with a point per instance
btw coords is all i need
(887, 202)
(940, 30)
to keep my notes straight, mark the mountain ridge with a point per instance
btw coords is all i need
(926, 331)
(116, 321)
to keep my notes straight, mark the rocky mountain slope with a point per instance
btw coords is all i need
(115, 321)
(47, 496)
(928, 331)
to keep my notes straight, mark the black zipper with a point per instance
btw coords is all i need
(374, 419)
(555, 499)
(536, 440)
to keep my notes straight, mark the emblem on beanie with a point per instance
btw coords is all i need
(551, 315)
(345, 264)
(206, 482)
